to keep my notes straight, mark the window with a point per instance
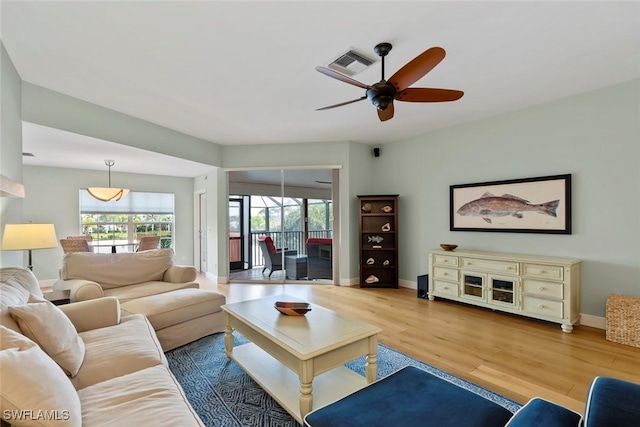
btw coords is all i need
(122, 222)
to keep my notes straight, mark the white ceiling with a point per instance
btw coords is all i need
(238, 72)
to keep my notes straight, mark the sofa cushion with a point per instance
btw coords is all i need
(113, 270)
(270, 246)
(540, 412)
(11, 293)
(32, 381)
(141, 290)
(47, 325)
(172, 308)
(23, 276)
(319, 241)
(118, 350)
(149, 397)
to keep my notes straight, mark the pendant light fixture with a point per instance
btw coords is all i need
(108, 194)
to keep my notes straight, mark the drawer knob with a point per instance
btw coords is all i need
(542, 271)
(446, 287)
(541, 306)
(541, 288)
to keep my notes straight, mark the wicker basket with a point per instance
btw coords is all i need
(623, 319)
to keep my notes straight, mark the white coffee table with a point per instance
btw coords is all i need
(299, 360)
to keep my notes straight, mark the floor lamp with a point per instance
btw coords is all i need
(20, 237)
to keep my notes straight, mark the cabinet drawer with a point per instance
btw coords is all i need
(489, 265)
(445, 288)
(542, 271)
(544, 289)
(451, 261)
(542, 307)
(445, 274)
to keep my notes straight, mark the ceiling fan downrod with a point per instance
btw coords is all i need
(382, 94)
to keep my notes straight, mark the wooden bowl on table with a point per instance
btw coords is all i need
(448, 246)
(292, 308)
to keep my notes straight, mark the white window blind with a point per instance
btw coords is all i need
(136, 202)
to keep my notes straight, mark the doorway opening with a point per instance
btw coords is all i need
(281, 225)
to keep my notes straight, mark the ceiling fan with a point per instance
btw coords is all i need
(383, 93)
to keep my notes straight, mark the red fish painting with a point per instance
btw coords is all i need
(490, 205)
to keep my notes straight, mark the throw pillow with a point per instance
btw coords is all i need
(52, 330)
(270, 246)
(35, 391)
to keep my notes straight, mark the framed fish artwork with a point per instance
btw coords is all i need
(529, 205)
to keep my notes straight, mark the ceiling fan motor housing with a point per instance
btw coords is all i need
(381, 94)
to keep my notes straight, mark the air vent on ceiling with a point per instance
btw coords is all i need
(351, 63)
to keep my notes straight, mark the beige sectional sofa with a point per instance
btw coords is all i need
(81, 363)
(127, 275)
(147, 283)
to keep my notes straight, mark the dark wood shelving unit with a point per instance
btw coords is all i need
(378, 241)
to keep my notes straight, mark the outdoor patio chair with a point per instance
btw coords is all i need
(147, 243)
(272, 256)
(75, 245)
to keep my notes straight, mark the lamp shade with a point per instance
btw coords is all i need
(19, 237)
(107, 194)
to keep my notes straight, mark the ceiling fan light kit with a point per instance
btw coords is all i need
(383, 93)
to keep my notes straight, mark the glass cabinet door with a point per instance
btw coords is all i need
(472, 285)
(502, 290)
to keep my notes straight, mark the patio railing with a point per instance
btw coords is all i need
(289, 239)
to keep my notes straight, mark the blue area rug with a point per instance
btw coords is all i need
(223, 395)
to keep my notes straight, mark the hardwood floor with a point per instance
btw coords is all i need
(517, 357)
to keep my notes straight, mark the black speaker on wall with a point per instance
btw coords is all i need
(423, 286)
(376, 152)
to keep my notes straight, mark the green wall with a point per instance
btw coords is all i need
(593, 136)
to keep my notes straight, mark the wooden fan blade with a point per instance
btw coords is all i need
(336, 75)
(386, 114)
(415, 69)
(424, 94)
(341, 104)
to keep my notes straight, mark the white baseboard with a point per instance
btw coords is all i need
(593, 321)
(220, 280)
(354, 281)
(408, 284)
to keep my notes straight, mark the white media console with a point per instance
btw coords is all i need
(543, 287)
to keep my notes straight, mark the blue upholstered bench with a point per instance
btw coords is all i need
(412, 397)
(610, 403)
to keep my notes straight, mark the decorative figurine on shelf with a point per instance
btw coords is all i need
(386, 262)
(386, 209)
(371, 261)
(366, 208)
(371, 279)
(375, 239)
(386, 227)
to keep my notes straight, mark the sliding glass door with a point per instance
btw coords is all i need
(289, 213)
